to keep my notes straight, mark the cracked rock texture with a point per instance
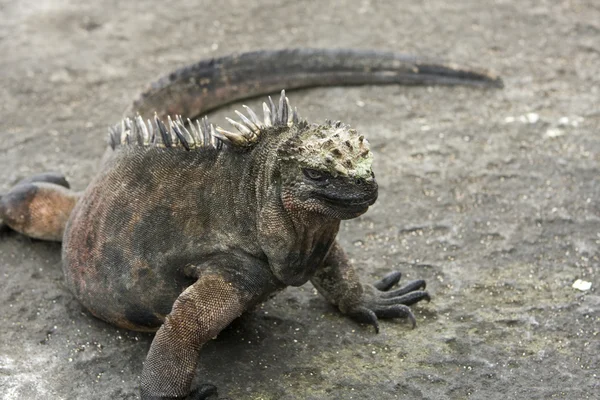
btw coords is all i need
(493, 196)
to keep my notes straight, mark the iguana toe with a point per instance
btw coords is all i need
(388, 281)
(205, 391)
(412, 286)
(365, 315)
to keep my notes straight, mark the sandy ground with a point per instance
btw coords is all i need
(492, 196)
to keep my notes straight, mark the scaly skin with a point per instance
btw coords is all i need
(209, 84)
(186, 227)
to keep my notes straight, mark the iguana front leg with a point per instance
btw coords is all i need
(337, 281)
(220, 295)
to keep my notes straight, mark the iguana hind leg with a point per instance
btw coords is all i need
(39, 206)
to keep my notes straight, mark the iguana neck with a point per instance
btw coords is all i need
(260, 175)
(294, 240)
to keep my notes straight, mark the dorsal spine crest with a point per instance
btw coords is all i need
(179, 133)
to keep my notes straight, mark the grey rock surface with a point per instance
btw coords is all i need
(492, 196)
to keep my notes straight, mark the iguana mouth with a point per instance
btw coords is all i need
(348, 203)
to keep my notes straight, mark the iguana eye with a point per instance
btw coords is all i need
(314, 175)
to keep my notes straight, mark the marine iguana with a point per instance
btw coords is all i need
(188, 225)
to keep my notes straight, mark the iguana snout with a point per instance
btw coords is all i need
(346, 197)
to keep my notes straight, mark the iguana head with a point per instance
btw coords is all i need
(327, 169)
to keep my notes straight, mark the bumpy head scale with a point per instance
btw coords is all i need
(332, 147)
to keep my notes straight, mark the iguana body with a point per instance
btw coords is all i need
(187, 226)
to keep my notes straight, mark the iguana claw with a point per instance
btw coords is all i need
(205, 391)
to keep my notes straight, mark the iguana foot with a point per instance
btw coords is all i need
(49, 177)
(381, 302)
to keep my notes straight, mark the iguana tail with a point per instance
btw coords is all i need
(195, 89)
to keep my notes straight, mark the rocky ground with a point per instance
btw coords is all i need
(492, 196)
